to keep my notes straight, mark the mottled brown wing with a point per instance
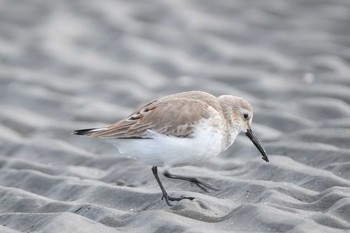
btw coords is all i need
(173, 117)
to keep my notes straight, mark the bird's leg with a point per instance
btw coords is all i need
(200, 183)
(165, 194)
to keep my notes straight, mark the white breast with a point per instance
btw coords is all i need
(162, 150)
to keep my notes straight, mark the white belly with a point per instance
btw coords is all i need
(166, 151)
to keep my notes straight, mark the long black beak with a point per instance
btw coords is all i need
(250, 134)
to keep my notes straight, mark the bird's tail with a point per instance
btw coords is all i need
(87, 132)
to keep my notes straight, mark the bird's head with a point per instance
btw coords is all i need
(241, 117)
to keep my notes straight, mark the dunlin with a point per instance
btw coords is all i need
(180, 129)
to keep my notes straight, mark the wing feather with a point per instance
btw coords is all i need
(170, 116)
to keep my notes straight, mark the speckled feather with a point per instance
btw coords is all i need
(174, 115)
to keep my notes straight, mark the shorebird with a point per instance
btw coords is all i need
(180, 129)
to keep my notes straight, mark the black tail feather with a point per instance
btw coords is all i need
(82, 131)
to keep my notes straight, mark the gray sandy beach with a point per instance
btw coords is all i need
(66, 65)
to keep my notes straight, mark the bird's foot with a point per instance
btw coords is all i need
(170, 198)
(205, 186)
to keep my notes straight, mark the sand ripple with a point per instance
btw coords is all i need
(72, 64)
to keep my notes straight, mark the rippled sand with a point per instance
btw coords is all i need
(66, 65)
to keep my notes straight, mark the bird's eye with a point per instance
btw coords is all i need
(245, 115)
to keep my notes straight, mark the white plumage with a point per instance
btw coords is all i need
(180, 129)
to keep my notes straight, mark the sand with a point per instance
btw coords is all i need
(66, 65)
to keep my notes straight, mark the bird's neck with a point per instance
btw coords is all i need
(231, 128)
